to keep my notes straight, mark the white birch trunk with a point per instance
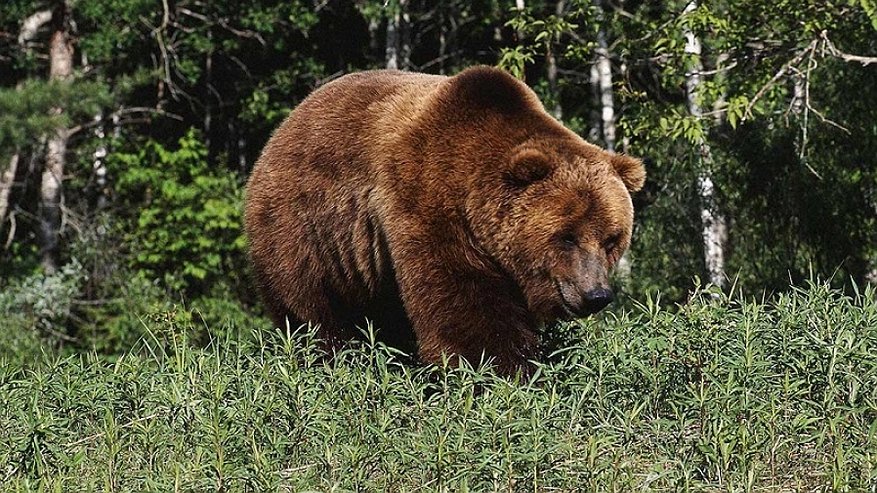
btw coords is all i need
(51, 190)
(595, 132)
(712, 221)
(604, 77)
(798, 94)
(99, 164)
(31, 25)
(404, 35)
(551, 62)
(373, 25)
(7, 180)
(625, 139)
(391, 54)
(51, 187)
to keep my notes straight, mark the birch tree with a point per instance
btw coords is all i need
(712, 221)
(7, 179)
(398, 45)
(603, 75)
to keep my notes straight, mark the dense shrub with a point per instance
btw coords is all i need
(182, 219)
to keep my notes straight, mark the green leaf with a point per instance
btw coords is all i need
(870, 8)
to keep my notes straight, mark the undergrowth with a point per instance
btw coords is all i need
(721, 394)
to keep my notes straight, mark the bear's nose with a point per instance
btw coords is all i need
(597, 299)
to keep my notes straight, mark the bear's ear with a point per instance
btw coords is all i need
(490, 88)
(527, 167)
(631, 171)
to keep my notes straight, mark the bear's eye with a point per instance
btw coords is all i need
(610, 243)
(569, 240)
(522, 178)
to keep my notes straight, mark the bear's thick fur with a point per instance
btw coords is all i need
(450, 209)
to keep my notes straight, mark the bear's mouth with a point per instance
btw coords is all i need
(568, 310)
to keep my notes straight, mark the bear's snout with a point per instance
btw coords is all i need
(597, 299)
(578, 302)
(584, 289)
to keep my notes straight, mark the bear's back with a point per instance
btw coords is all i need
(331, 131)
(310, 198)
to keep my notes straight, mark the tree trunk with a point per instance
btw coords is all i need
(391, 56)
(31, 25)
(7, 180)
(443, 37)
(394, 36)
(208, 103)
(624, 75)
(595, 132)
(237, 146)
(712, 221)
(373, 25)
(604, 77)
(551, 70)
(798, 108)
(99, 164)
(51, 187)
(551, 67)
(404, 35)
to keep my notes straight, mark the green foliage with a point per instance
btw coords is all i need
(26, 111)
(870, 8)
(119, 21)
(184, 218)
(725, 394)
(514, 60)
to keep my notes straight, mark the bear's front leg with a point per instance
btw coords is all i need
(463, 310)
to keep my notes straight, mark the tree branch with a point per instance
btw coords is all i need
(833, 51)
(120, 113)
(32, 24)
(780, 73)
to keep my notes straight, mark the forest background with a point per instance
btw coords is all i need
(128, 128)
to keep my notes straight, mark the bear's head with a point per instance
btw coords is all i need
(553, 211)
(557, 215)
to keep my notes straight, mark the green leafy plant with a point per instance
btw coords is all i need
(184, 218)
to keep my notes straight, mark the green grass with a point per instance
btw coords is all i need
(719, 395)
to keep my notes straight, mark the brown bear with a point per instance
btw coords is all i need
(455, 210)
